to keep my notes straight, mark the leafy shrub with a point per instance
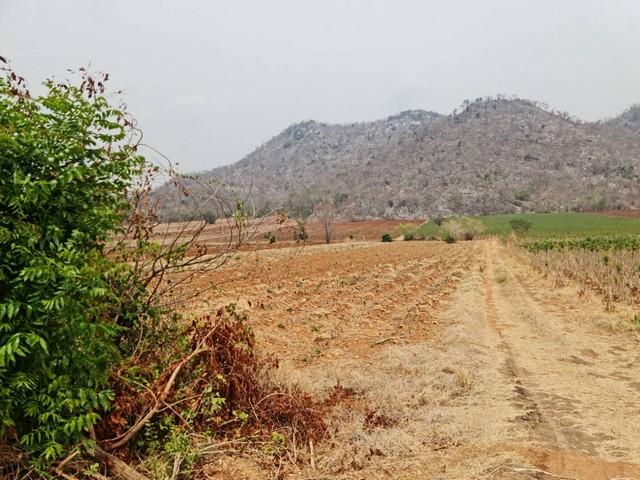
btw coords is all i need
(409, 231)
(522, 195)
(448, 237)
(387, 238)
(600, 205)
(520, 226)
(62, 196)
(464, 228)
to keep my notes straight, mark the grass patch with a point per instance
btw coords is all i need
(544, 225)
(561, 224)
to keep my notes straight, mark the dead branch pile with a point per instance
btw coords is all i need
(216, 379)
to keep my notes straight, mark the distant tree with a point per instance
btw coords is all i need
(408, 230)
(340, 198)
(325, 212)
(600, 205)
(300, 204)
(209, 217)
(300, 231)
(520, 226)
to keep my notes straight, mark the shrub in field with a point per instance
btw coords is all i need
(463, 228)
(408, 231)
(63, 194)
(520, 226)
(448, 237)
(387, 238)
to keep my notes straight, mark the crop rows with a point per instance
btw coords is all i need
(591, 244)
(609, 266)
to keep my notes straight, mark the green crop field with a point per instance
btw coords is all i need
(563, 224)
(550, 225)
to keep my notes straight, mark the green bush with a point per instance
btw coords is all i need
(409, 232)
(520, 226)
(387, 238)
(463, 228)
(63, 194)
(448, 237)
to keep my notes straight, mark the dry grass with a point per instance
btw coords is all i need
(615, 275)
(399, 406)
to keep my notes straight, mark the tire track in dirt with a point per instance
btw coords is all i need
(531, 414)
(575, 390)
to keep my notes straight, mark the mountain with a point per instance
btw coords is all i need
(496, 155)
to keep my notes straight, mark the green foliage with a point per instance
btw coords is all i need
(209, 217)
(430, 229)
(340, 198)
(66, 169)
(520, 226)
(543, 225)
(448, 237)
(570, 224)
(408, 231)
(164, 441)
(600, 205)
(300, 203)
(463, 228)
(522, 195)
(387, 238)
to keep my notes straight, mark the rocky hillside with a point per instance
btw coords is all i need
(497, 155)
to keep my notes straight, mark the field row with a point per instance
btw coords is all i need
(331, 301)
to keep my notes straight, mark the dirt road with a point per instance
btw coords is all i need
(554, 386)
(462, 362)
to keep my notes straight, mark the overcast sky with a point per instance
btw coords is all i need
(211, 80)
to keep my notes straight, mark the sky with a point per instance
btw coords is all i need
(209, 81)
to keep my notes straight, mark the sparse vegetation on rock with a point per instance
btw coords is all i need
(496, 155)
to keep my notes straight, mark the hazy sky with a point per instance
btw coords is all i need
(209, 81)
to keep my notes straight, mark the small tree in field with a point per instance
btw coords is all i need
(325, 212)
(520, 226)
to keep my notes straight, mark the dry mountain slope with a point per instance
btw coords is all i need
(497, 155)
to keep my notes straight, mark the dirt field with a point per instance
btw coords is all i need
(457, 361)
(621, 213)
(255, 230)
